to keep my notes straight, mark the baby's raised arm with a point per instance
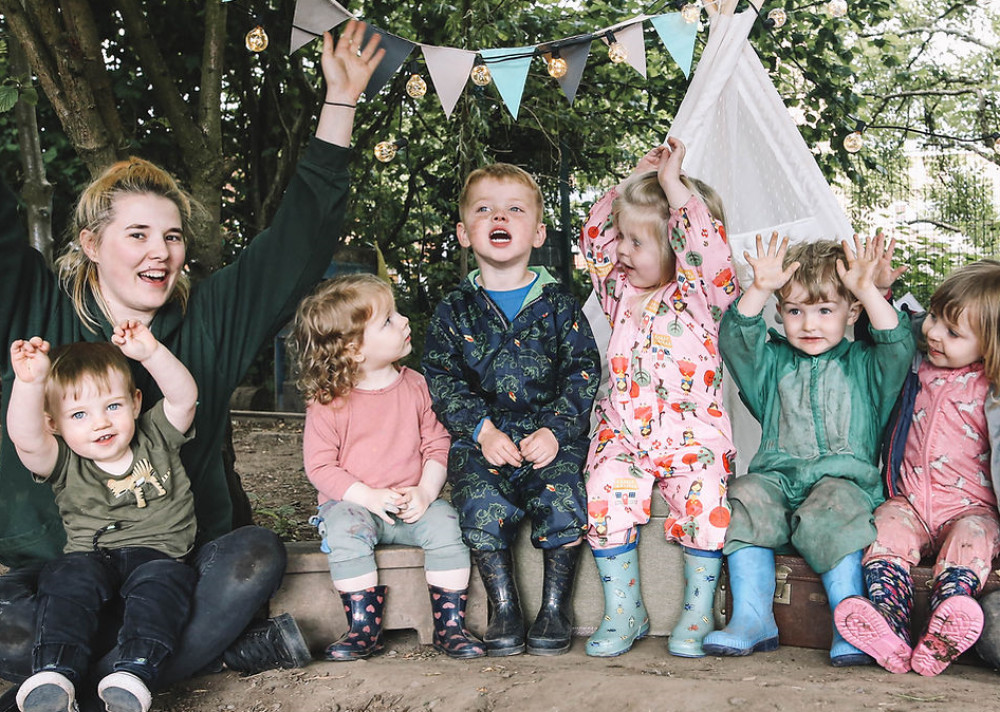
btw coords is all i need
(26, 424)
(180, 392)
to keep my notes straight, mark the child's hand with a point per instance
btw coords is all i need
(863, 264)
(30, 359)
(382, 502)
(413, 503)
(135, 340)
(669, 168)
(768, 274)
(347, 66)
(540, 448)
(497, 447)
(650, 161)
(885, 275)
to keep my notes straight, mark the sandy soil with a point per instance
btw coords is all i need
(410, 677)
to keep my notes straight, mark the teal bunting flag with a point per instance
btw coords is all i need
(678, 36)
(509, 67)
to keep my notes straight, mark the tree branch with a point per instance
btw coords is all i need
(164, 88)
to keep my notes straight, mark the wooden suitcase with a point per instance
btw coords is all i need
(801, 609)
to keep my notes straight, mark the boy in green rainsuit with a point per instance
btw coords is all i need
(823, 402)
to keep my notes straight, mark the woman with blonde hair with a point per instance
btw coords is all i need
(126, 261)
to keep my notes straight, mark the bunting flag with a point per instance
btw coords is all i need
(313, 18)
(449, 69)
(630, 37)
(396, 51)
(576, 59)
(509, 67)
(678, 36)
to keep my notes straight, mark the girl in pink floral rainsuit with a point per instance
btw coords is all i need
(661, 266)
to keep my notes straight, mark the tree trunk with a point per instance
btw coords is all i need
(37, 191)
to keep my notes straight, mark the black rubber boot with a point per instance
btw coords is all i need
(364, 616)
(274, 643)
(505, 632)
(552, 631)
(451, 636)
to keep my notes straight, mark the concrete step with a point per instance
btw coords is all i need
(307, 591)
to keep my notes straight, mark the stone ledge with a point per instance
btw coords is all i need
(308, 594)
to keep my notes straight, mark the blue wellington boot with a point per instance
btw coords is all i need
(843, 580)
(752, 628)
(625, 620)
(701, 576)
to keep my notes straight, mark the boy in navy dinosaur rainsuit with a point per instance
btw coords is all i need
(513, 370)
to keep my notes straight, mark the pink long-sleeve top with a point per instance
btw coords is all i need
(380, 437)
(665, 368)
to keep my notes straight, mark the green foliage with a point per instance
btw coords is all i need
(831, 72)
(282, 520)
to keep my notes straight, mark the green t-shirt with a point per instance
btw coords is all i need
(150, 506)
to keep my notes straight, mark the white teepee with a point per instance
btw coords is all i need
(742, 141)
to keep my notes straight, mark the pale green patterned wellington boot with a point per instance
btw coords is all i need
(625, 620)
(701, 575)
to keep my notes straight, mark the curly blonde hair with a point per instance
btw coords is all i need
(328, 331)
(974, 288)
(641, 197)
(96, 208)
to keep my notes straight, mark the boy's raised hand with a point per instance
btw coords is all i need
(864, 263)
(30, 359)
(768, 273)
(540, 448)
(135, 340)
(885, 275)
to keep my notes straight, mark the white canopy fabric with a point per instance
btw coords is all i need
(742, 141)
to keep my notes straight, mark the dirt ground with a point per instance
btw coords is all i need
(410, 677)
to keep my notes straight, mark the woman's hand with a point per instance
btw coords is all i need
(347, 66)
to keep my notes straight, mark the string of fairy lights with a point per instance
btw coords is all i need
(256, 40)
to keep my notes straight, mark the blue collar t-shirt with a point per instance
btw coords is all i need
(510, 301)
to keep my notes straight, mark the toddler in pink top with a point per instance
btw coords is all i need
(938, 478)
(661, 266)
(378, 457)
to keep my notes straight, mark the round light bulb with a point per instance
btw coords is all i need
(617, 52)
(416, 87)
(777, 17)
(256, 39)
(853, 142)
(481, 75)
(385, 151)
(557, 67)
(837, 8)
(691, 12)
